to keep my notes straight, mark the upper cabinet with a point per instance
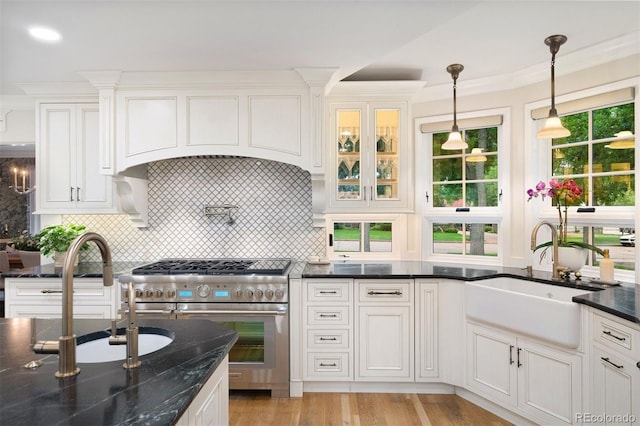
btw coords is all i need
(369, 148)
(67, 158)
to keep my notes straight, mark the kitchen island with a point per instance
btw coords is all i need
(158, 392)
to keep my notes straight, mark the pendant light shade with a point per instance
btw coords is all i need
(476, 156)
(624, 140)
(455, 138)
(553, 128)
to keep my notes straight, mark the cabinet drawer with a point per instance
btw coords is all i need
(327, 339)
(327, 315)
(334, 291)
(387, 291)
(615, 335)
(330, 365)
(50, 291)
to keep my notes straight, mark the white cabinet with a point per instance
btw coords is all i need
(328, 330)
(68, 161)
(211, 405)
(615, 371)
(369, 162)
(42, 298)
(384, 330)
(427, 328)
(540, 382)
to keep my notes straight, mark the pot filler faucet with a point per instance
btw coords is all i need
(65, 347)
(554, 240)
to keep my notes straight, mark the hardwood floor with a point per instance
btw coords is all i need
(356, 409)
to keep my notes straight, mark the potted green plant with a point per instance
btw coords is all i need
(54, 241)
(27, 247)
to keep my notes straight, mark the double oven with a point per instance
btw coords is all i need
(249, 296)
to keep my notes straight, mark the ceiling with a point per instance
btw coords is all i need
(366, 39)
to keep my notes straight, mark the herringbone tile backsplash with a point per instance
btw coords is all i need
(273, 218)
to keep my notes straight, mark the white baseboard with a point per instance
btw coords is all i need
(378, 387)
(493, 408)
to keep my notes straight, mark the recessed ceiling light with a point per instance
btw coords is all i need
(44, 34)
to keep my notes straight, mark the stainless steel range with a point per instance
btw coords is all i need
(249, 296)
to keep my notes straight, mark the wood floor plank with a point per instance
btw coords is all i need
(357, 409)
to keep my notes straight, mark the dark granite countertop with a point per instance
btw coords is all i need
(83, 270)
(157, 392)
(621, 301)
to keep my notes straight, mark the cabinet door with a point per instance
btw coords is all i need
(616, 387)
(56, 159)
(369, 166)
(384, 348)
(55, 311)
(427, 330)
(491, 364)
(68, 161)
(93, 190)
(549, 383)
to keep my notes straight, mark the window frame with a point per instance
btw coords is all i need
(499, 215)
(539, 168)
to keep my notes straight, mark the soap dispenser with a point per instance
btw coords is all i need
(606, 268)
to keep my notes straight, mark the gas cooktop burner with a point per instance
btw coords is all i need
(215, 267)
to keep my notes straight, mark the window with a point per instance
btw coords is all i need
(463, 210)
(603, 164)
(366, 237)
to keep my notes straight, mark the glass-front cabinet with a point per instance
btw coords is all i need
(369, 167)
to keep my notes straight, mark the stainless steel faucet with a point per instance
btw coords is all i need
(554, 240)
(66, 345)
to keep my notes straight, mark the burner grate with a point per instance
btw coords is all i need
(214, 267)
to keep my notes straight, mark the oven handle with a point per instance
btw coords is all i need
(246, 313)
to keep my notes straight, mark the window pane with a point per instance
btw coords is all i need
(479, 239)
(346, 237)
(578, 125)
(614, 190)
(447, 195)
(482, 239)
(619, 241)
(447, 169)
(447, 238)
(378, 238)
(482, 194)
(612, 160)
(487, 139)
(482, 169)
(609, 121)
(570, 160)
(438, 140)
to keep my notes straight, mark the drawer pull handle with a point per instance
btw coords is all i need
(385, 293)
(328, 365)
(608, 333)
(328, 338)
(49, 291)
(328, 316)
(328, 292)
(609, 362)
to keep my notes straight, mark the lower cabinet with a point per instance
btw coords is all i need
(540, 382)
(42, 298)
(615, 371)
(211, 405)
(384, 330)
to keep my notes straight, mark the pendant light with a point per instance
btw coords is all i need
(455, 138)
(624, 140)
(553, 128)
(476, 156)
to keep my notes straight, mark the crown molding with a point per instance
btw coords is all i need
(570, 63)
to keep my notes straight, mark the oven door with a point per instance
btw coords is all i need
(260, 357)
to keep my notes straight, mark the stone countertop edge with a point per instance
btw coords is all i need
(157, 392)
(620, 301)
(83, 270)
